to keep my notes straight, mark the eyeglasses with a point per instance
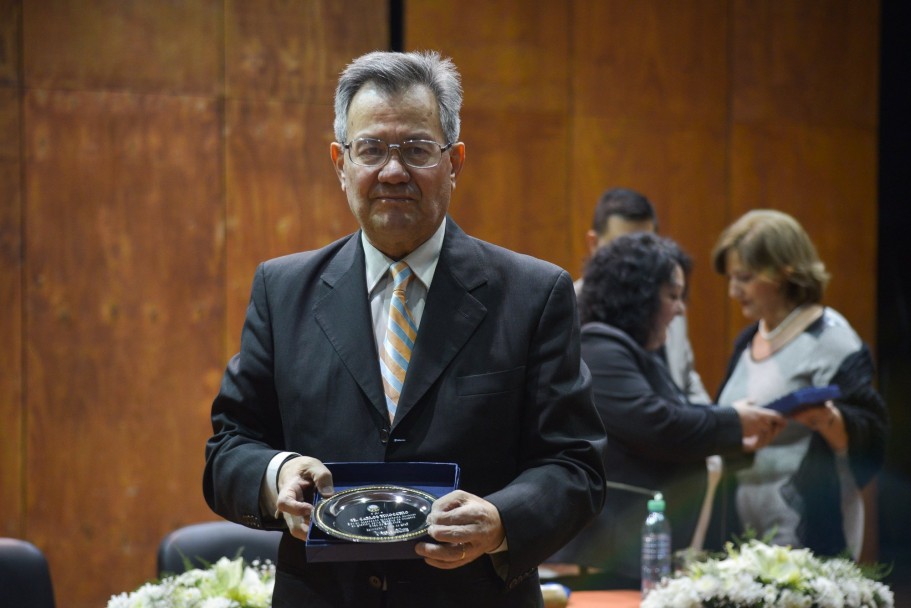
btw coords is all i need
(417, 153)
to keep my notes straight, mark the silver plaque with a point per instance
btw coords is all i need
(375, 514)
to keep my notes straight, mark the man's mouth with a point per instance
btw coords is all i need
(393, 197)
(397, 191)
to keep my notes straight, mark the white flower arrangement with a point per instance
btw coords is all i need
(225, 584)
(758, 575)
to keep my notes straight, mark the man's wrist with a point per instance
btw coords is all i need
(269, 488)
(278, 471)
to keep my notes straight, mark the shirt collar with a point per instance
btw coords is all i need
(423, 260)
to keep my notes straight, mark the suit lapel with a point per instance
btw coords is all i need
(450, 316)
(344, 316)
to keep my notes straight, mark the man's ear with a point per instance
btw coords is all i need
(457, 161)
(337, 152)
(592, 239)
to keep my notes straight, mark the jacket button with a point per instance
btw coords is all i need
(384, 436)
(376, 582)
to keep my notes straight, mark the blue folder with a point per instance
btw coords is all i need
(804, 398)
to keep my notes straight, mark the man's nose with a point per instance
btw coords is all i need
(395, 169)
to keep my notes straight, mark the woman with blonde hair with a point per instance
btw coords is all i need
(804, 487)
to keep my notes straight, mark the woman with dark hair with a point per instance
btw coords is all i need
(633, 289)
(805, 486)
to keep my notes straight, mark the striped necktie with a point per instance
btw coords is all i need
(399, 341)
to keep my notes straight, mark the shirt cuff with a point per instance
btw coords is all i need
(268, 491)
(503, 546)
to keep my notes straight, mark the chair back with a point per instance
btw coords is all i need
(205, 543)
(25, 578)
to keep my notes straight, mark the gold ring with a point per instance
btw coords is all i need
(462, 547)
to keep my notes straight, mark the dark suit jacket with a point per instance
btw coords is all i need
(496, 384)
(656, 441)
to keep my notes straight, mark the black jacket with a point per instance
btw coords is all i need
(656, 440)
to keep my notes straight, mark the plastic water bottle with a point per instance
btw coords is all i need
(656, 545)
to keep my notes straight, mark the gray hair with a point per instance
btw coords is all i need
(396, 73)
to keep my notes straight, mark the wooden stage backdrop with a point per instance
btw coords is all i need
(151, 153)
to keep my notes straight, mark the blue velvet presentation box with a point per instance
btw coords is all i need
(804, 398)
(435, 478)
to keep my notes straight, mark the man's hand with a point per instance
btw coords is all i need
(466, 526)
(297, 480)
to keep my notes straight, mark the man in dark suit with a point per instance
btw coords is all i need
(486, 374)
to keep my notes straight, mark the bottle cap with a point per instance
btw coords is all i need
(657, 503)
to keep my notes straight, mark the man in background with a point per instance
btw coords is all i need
(622, 211)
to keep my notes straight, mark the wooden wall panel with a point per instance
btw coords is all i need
(113, 44)
(826, 178)
(125, 296)
(12, 418)
(283, 62)
(512, 54)
(283, 195)
(661, 60)
(813, 61)
(804, 114)
(514, 58)
(277, 49)
(650, 113)
(10, 21)
(509, 193)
